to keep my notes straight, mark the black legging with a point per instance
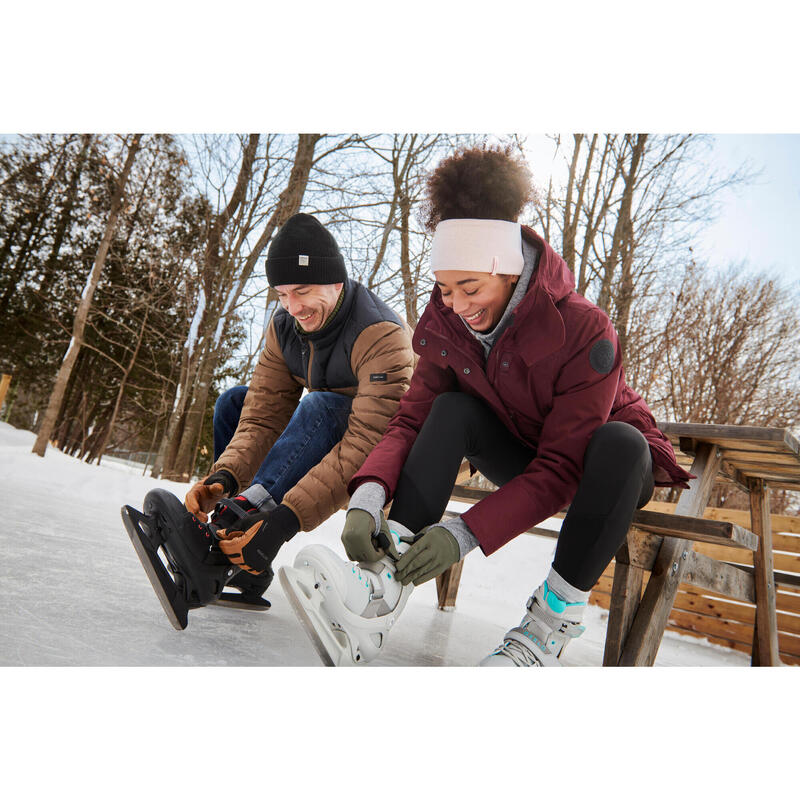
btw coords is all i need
(617, 479)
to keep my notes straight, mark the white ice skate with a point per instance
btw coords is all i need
(544, 632)
(346, 608)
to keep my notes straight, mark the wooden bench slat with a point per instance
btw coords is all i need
(728, 580)
(697, 529)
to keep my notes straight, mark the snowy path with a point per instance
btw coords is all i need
(74, 592)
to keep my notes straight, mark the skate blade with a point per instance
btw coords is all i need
(288, 581)
(160, 579)
(235, 600)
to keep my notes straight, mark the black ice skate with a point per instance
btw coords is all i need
(250, 587)
(196, 570)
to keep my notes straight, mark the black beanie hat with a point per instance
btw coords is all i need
(304, 252)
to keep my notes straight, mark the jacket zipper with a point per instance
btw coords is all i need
(310, 361)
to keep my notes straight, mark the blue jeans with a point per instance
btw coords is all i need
(317, 425)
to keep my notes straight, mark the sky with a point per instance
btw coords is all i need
(758, 223)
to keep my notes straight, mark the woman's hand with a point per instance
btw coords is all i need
(357, 536)
(364, 520)
(434, 551)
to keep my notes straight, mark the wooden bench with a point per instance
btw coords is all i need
(662, 543)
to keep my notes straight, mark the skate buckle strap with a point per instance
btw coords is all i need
(539, 615)
(239, 510)
(554, 602)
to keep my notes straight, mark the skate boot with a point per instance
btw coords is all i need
(196, 569)
(348, 609)
(248, 588)
(544, 632)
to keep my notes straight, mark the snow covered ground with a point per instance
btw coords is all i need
(75, 594)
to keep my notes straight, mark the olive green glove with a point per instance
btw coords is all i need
(433, 552)
(358, 533)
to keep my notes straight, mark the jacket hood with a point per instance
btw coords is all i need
(552, 273)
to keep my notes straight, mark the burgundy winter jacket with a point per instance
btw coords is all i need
(553, 377)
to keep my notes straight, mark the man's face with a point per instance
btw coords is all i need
(309, 303)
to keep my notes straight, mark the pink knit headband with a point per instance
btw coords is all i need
(478, 245)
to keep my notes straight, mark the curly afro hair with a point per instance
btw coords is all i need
(478, 183)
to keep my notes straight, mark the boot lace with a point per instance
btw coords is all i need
(518, 653)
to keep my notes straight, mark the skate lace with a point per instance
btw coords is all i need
(518, 653)
(361, 577)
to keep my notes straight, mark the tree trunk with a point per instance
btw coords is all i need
(101, 449)
(214, 324)
(624, 297)
(82, 315)
(624, 215)
(409, 295)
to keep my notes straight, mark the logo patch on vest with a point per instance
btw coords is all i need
(601, 356)
(377, 377)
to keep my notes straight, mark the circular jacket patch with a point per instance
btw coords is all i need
(601, 356)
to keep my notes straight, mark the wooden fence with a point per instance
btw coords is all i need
(722, 620)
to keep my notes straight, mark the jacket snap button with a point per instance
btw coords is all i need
(466, 370)
(422, 342)
(444, 352)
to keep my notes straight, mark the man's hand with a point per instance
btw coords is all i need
(253, 541)
(434, 551)
(203, 496)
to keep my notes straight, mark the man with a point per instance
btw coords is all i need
(295, 456)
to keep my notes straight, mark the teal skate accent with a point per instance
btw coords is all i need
(535, 640)
(555, 602)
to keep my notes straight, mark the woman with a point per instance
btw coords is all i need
(522, 376)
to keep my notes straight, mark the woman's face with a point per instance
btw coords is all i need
(477, 297)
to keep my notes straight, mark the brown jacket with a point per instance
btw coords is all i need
(363, 352)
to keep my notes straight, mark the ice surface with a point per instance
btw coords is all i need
(75, 594)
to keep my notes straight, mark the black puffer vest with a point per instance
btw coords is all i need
(321, 360)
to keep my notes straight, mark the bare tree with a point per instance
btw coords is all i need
(62, 378)
(226, 270)
(628, 212)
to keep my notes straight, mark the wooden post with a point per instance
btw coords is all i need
(447, 586)
(626, 594)
(644, 638)
(5, 381)
(765, 635)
